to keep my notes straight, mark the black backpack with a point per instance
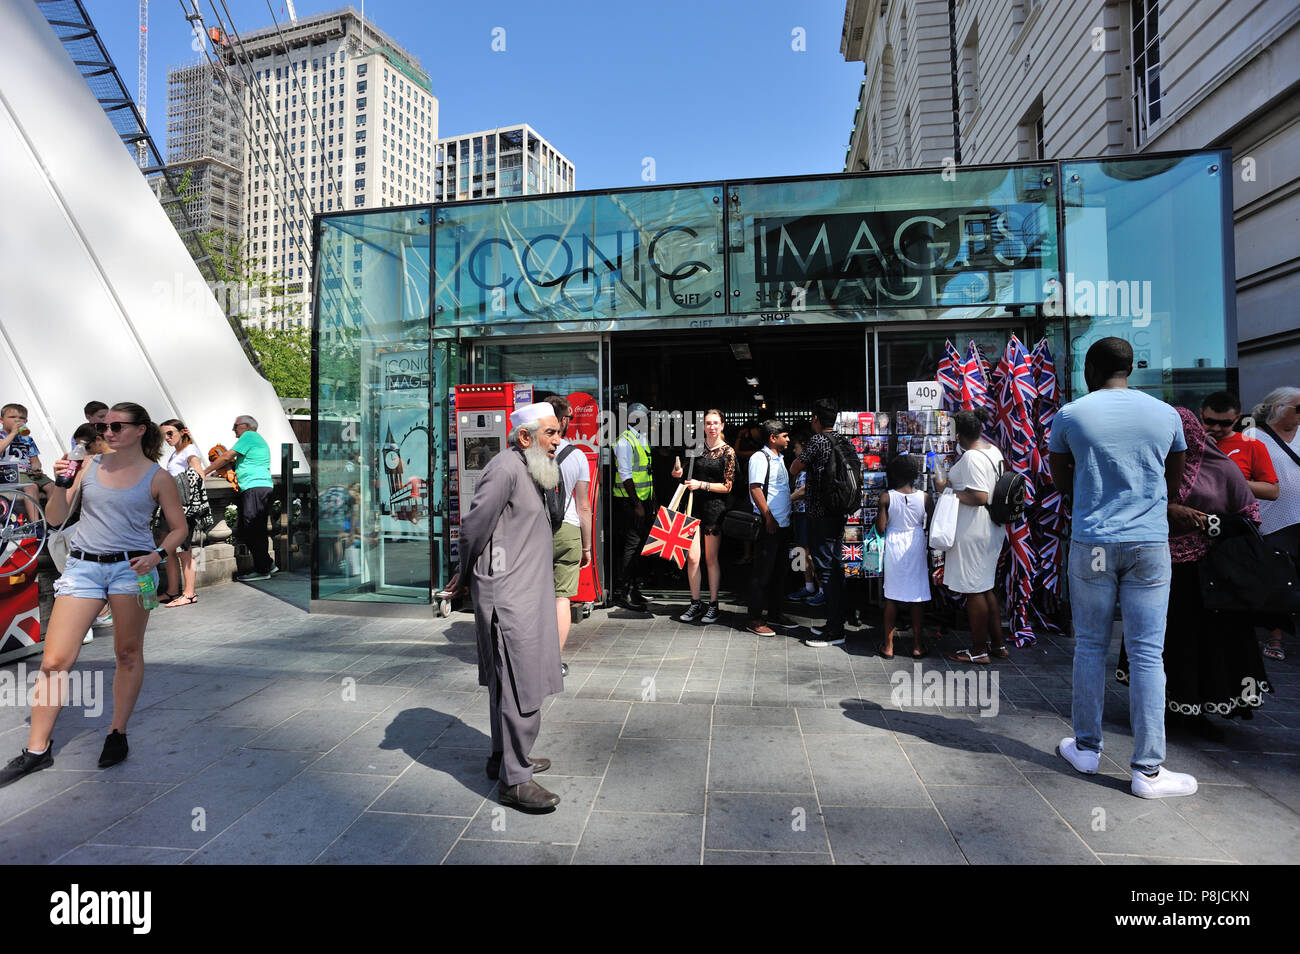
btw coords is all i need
(1007, 502)
(841, 482)
(557, 499)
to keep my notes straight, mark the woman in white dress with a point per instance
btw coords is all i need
(185, 455)
(901, 518)
(972, 563)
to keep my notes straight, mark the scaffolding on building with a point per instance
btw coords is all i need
(206, 145)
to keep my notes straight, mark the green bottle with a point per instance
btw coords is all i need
(148, 591)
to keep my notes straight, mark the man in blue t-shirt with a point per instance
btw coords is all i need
(1119, 454)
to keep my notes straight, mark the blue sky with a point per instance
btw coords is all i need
(709, 89)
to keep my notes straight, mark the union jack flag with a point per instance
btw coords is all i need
(671, 536)
(851, 552)
(950, 374)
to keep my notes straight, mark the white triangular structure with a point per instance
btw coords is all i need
(99, 299)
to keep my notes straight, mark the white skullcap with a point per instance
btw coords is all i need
(531, 412)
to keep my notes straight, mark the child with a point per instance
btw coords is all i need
(808, 593)
(902, 516)
(96, 412)
(17, 447)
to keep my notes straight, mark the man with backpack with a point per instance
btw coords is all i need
(834, 489)
(572, 527)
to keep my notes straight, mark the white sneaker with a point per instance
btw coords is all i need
(1166, 784)
(1083, 760)
(105, 620)
(90, 635)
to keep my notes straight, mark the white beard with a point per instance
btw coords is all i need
(541, 467)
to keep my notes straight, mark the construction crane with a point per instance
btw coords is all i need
(293, 17)
(142, 84)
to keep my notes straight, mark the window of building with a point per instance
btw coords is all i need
(361, 86)
(969, 71)
(361, 103)
(1145, 39)
(361, 69)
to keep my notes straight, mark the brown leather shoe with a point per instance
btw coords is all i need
(528, 796)
(494, 765)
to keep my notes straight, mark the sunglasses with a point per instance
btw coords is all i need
(114, 426)
(1218, 421)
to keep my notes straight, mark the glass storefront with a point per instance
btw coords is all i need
(745, 295)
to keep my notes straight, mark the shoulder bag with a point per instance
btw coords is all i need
(746, 524)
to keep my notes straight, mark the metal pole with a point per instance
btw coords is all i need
(287, 464)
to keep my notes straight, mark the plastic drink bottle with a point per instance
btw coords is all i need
(148, 591)
(75, 458)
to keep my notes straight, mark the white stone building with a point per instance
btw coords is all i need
(980, 81)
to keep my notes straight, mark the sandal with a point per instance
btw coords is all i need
(920, 654)
(880, 651)
(1275, 651)
(966, 656)
(183, 600)
(1000, 652)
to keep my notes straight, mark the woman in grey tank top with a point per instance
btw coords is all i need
(112, 548)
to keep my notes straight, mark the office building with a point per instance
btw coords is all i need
(342, 117)
(508, 161)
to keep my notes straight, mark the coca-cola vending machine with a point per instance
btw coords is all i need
(584, 431)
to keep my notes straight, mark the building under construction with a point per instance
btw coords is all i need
(206, 143)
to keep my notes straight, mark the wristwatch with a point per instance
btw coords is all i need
(162, 555)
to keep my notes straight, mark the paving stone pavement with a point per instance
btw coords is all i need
(267, 735)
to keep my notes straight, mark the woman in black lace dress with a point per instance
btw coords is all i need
(710, 479)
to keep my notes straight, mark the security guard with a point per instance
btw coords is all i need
(633, 505)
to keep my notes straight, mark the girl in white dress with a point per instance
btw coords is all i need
(901, 518)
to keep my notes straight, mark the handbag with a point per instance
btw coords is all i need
(1243, 572)
(943, 523)
(745, 524)
(59, 542)
(194, 497)
(673, 531)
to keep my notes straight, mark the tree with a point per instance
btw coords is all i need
(286, 359)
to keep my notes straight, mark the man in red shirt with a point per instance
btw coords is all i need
(1219, 413)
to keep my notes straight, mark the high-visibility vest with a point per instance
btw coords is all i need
(641, 479)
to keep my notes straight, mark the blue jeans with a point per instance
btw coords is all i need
(1139, 574)
(825, 535)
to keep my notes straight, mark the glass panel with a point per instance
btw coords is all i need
(371, 465)
(956, 238)
(1144, 244)
(621, 256)
(914, 355)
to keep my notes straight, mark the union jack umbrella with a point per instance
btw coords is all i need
(975, 378)
(1016, 395)
(673, 532)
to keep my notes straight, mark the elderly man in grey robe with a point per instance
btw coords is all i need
(506, 551)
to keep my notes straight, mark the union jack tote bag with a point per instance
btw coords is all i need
(673, 531)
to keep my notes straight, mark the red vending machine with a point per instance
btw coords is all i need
(584, 431)
(20, 591)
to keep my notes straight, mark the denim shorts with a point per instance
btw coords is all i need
(95, 581)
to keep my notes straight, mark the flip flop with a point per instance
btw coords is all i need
(1000, 652)
(188, 601)
(921, 655)
(966, 656)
